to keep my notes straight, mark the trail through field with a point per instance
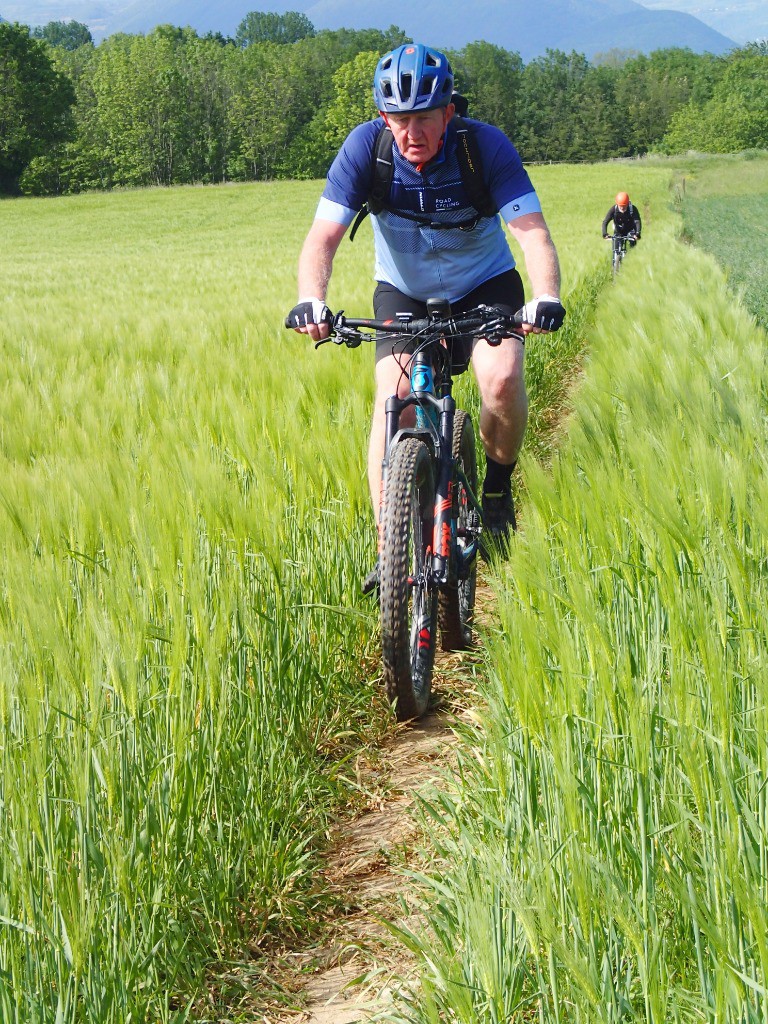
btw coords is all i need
(362, 866)
(349, 979)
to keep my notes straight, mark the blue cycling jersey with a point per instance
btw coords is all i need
(417, 259)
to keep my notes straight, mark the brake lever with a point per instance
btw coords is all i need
(340, 338)
(502, 328)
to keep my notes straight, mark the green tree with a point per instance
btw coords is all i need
(267, 27)
(68, 35)
(733, 119)
(614, 58)
(353, 103)
(208, 97)
(565, 109)
(267, 107)
(331, 48)
(491, 78)
(142, 117)
(597, 132)
(78, 162)
(650, 89)
(35, 103)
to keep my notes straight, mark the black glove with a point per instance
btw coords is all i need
(546, 312)
(311, 311)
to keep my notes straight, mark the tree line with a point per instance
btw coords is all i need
(175, 107)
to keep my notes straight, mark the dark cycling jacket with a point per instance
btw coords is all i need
(624, 223)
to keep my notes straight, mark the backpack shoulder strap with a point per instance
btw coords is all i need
(382, 172)
(471, 167)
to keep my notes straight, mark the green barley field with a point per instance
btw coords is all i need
(189, 674)
(725, 210)
(602, 852)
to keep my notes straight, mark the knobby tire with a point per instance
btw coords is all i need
(456, 603)
(408, 605)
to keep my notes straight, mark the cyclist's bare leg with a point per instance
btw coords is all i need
(389, 378)
(504, 400)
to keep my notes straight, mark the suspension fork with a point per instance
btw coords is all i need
(442, 412)
(422, 383)
(392, 412)
(443, 527)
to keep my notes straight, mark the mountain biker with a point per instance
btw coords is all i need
(626, 219)
(464, 261)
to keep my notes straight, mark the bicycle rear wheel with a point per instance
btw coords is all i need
(408, 600)
(456, 604)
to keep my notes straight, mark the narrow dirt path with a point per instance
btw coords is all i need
(365, 865)
(362, 867)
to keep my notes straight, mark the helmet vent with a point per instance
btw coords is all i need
(412, 77)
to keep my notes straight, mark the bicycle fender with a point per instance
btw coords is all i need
(421, 435)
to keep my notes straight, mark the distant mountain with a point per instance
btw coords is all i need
(529, 27)
(742, 20)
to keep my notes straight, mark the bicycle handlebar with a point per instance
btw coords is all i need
(491, 322)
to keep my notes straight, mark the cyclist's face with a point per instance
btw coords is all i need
(623, 207)
(418, 135)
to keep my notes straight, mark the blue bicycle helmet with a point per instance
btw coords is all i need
(412, 77)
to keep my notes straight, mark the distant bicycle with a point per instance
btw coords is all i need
(619, 248)
(430, 517)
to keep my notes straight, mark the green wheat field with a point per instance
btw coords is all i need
(188, 674)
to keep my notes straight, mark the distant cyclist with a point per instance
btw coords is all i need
(626, 219)
(431, 241)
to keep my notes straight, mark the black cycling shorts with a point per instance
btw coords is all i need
(388, 301)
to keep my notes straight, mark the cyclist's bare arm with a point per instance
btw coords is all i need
(315, 266)
(532, 235)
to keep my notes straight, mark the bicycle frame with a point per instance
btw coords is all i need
(439, 439)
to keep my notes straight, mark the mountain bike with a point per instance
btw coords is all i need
(430, 518)
(619, 248)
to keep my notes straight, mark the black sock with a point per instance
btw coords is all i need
(498, 478)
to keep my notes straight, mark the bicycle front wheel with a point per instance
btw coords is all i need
(457, 598)
(616, 261)
(408, 599)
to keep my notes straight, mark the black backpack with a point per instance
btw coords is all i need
(470, 165)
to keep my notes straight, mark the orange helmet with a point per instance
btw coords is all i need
(622, 199)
